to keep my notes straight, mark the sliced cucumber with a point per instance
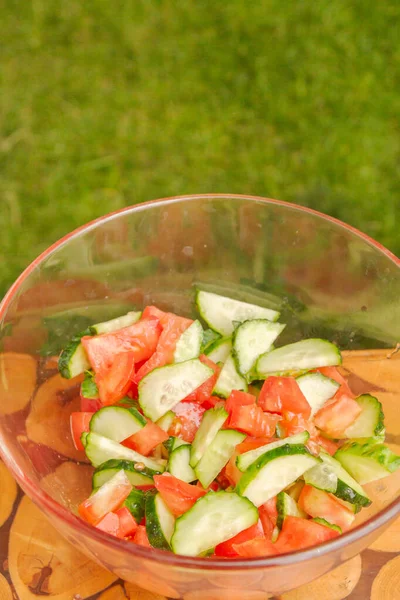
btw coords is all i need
(368, 462)
(370, 422)
(73, 359)
(211, 423)
(229, 379)
(213, 519)
(326, 523)
(274, 471)
(323, 477)
(209, 337)
(189, 344)
(179, 464)
(300, 356)
(160, 521)
(217, 455)
(251, 339)
(287, 507)
(116, 324)
(163, 388)
(166, 421)
(99, 449)
(172, 443)
(136, 476)
(219, 351)
(317, 389)
(246, 459)
(89, 388)
(347, 488)
(294, 490)
(117, 423)
(220, 312)
(135, 503)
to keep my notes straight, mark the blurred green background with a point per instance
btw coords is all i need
(105, 104)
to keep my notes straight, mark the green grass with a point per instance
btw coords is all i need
(105, 104)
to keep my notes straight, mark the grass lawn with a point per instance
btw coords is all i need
(105, 104)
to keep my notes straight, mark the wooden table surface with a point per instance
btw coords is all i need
(35, 561)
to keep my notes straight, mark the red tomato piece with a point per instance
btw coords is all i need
(318, 503)
(281, 394)
(269, 508)
(107, 499)
(227, 548)
(140, 338)
(146, 439)
(292, 424)
(79, 422)
(327, 445)
(178, 495)
(91, 405)
(140, 538)
(203, 393)
(252, 420)
(333, 373)
(334, 418)
(214, 487)
(114, 381)
(256, 547)
(237, 398)
(151, 312)
(127, 524)
(251, 443)
(298, 533)
(232, 473)
(188, 419)
(110, 524)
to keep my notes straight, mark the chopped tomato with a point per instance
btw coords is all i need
(110, 524)
(269, 509)
(237, 398)
(153, 312)
(79, 422)
(91, 405)
(227, 548)
(140, 538)
(292, 424)
(214, 487)
(337, 414)
(252, 420)
(259, 546)
(251, 443)
(107, 499)
(298, 533)
(114, 381)
(146, 439)
(282, 394)
(212, 402)
(173, 327)
(178, 495)
(140, 338)
(188, 418)
(203, 393)
(327, 445)
(232, 473)
(318, 503)
(127, 524)
(333, 373)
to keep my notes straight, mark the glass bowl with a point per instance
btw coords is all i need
(326, 278)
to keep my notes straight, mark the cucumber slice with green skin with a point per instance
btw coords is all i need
(348, 489)
(160, 521)
(99, 449)
(219, 351)
(252, 339)
(317, 389)
(370, 422)
(166, 421)
(286, 506)
(163, 388)
(246, 459)
(73, 359)
(116, 324)
(211, 423)
(213, 519)
(229, 379)
(322, 477)
(172, 443)
(304, 355)
(217, 455)
(89, 388)
(135, 503)
(326, 523)
(179, 464)
(209, 337)
(274, 471)
(220, 312)
(189, 344)
(368, 462)
(117, 423)
(108, 469)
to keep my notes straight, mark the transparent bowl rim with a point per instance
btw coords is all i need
(52, 508)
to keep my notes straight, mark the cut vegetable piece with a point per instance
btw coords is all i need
(370, 422)
(282, 395)
(317, 389)
(323, 477)
(127, 524)
(187, 420)
(110, 524)
(179, 464)
(220, 312)
(160, 522)
(146, 439)
(337, 415)
(317, 503)
(134, 472)
(327, 524)
(73, 359)
(117, 423)
(251, 339)
(164, 388)
(166, 421)
(274, 471)
(248, 458)
(219, 351)
(300, 533)
(226, 549)
(172, 443)
(215, 518)
(178, 495)
(368, 462)
(304, 355)
(209, 337)
(189, 344)
(287, 507)
(202, 394)
(114, 381)
(229, 379)
(252, 420)
(118, 323)
(99, 449)
(257, 547)
(347, 488)
(88, 387)
(211, 423)
(107, 498)
(217, 455)
(135, 503)
(79, 422)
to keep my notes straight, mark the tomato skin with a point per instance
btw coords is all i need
(188, 419)
(202, 394)
(114, 381)
(110, 524)
(140, 538)
(252, 420)
(227, 549)
(140, 338)
(79, 422)
(91, 405)
(146, 439)
(178, 495)
(334, 418)
(259, 546)
(94, 508)
(318, 503)
(298, 533)
(281, 394)
(127, 524)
